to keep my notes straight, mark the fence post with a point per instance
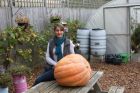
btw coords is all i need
(68, 3)
(10, 3)
(44, 3)
(83, 3)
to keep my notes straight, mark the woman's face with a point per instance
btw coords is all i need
(59, 32)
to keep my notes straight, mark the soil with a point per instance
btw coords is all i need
(127, 75)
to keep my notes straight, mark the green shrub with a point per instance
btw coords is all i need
(20, 70)
(73, 25)
(5, 79)
(55, 19)
(135, 39)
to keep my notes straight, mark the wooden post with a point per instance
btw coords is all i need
(10, 3)
(44, 3)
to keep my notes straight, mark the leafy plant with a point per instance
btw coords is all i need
(7, 42)
(20, 70)
(5, 80)
(40, 47)
(55, 19)
(25, 54)
(22, 19)
(73, 25)
(17, 44)
(135, 38)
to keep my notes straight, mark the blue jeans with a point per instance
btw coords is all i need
(47, 75)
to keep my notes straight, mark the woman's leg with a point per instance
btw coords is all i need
(46, 76)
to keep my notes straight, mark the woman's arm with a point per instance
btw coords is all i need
(71, 47)
(48, 58)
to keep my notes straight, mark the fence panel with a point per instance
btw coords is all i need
(39, 17)
(39, 11)
(5, 18)
(4, 3)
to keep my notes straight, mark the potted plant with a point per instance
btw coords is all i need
(55, 19)
(19, 73)
(5, 81)
(22, 20)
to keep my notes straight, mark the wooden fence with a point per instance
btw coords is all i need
(39, 11)
(54, 3)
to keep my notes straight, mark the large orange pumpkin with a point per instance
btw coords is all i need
(72, 70)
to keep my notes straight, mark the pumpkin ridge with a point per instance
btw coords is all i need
(73, 78)
(66, 66)
(66, 73)
(85, 79)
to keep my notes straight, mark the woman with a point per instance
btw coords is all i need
(58, 47)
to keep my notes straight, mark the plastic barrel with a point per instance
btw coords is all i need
(20, 83)
(83, 40)
(98, 42)
(4, 90)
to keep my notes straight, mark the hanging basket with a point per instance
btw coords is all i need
(55, 20)
(22, 24)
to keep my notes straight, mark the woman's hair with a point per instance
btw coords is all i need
(60, 26)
